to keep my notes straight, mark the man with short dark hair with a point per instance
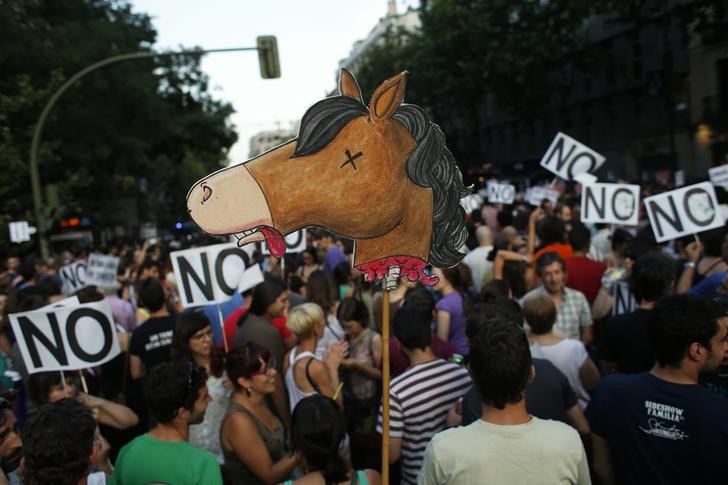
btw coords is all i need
(585, 274)
(661, 426)
(59, 446)
(334, 254)
(573, 317)
(624, 345)
(507, 445)
(151, 342)
(177, 397)
(421, 397)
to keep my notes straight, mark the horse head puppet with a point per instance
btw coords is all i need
(380, 175)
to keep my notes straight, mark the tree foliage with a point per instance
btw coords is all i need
(139, 131)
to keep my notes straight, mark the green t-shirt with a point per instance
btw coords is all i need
(147, 460)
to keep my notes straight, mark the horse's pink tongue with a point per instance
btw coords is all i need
(274, 240)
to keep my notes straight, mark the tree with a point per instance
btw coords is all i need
(141, 131)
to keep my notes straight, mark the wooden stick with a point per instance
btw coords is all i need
(222, 328)
(63, 381)
(385, 387)
(554, 181)
(338, 391)
(83, 381)
(697, 239)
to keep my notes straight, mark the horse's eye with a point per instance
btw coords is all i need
(350, 158)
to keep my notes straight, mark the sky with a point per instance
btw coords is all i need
(313, 35)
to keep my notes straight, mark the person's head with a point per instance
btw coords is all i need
(563, 212)
(318, 429)
(540, 313)
(494, 289)
(500, 309)
(151, 294)
(353, 316)
(500, 363)
(326, 239)
(270, 298)
(192, 336)
(552, 271)
(306, 320)
(177, 390)
(320, 289)
(620, 241)
(421, 298)
(28, 269)
(296, 284)
(252, 369)
(48, 387)
(652, 276)
(713, 241)
(688, 331)
(580, 238)
(310, 257)
(505, 217)
(58, 442)
(11, 450)
(450, 278)
(342, 273)
(551, 230)
(412, 328)
(484, 236)
(148, 269)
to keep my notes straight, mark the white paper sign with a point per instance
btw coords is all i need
(210, 274)
(719, 175)
(624, 301)
(73, 277)
(19, 231)
(295, 243)
(252, 276)
(501, 193)
(610, 204)
(683, 211)
(567, 158)
(66, 337)
(101, 270)
(536, 195)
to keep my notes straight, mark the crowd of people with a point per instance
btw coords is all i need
(521, 365)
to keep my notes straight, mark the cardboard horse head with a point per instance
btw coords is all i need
(380, 175)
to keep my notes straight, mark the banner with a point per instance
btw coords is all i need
(683, 211)
(610, 204)
(567, 158)
(73, 277)
(66, 337)
(101, 270)
(209, 274)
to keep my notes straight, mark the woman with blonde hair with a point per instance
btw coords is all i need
(306, 374)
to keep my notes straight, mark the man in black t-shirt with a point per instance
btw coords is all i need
(662, 426)
(624, 345)
(151, 342)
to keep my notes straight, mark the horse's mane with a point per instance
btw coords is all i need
(430, 165)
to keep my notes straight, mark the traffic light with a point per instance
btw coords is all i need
(270, 68)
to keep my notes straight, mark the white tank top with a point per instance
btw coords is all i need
(295, 394)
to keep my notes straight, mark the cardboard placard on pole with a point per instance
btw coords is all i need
(73, 277)
(610, 204)
(499, 193)
(101, 270)
(566, 157)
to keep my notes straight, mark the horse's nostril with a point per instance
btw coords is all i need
(206, 193)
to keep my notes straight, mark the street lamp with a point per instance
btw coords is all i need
(268, 55)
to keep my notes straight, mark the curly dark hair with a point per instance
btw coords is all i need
(171, 386)
(57, 442)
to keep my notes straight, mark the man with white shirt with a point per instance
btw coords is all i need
(477, 259)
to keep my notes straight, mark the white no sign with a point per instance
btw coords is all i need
(610, 204)
(683, 211)
(501, 193)
(567, 158)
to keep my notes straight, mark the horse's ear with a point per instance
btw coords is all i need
(387, 98)
(348, 86)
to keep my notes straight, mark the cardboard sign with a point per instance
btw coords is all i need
(567, 158)
(252, 276)
(610, 204)
(719, 176)
(19, 231)
(210, 274)
(683, 211)
(73, 277)
(536, 195)
(501, 193)
(66, 337)
(295, 243)
(101, 270)
(624, 301)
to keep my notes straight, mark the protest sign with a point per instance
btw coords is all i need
(471, 202)
(295, 243)
(66, 337)
(501, 193)
(536, 195)
(101, 270)
(73, 277)
(210, 274)
(251, 277)
(719, 176)
(567, 158)
(624, 301)
(683, 211)
(19, 231)
(610, 204)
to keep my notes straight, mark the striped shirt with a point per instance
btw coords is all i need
(420, 399)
